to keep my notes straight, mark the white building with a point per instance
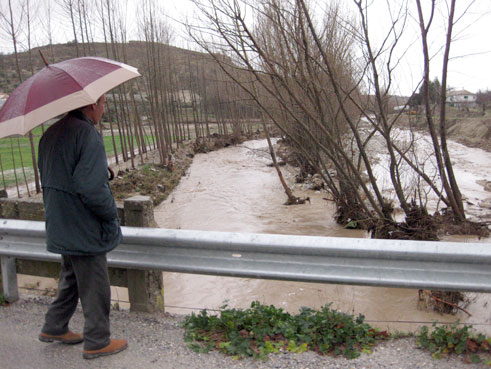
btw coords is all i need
(460, 98)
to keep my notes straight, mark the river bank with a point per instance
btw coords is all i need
(252, 200)
(234, 190)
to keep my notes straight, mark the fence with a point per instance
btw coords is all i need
(145, 252)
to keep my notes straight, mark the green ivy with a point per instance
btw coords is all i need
(446, 339)
(261, 330)
(353, 224)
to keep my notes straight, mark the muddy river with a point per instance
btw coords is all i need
(234, 190)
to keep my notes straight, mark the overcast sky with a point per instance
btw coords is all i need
(470, 67)
(470, 52)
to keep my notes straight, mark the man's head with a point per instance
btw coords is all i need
(95, 111)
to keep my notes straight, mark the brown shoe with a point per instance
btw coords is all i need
(113, 348)
(69, 338)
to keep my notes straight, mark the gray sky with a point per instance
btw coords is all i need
(470, 52)
(470, 67)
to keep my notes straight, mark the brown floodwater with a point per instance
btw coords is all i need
(234, 190)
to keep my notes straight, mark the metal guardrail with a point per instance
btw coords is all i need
(392, 263)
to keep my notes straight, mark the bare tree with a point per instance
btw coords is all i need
(104, 8)
(282, 91)
(484, 99)
(12, 27)
(46, 20)
(31, 138)
(155, 32)
(292, 200)
(68, 7)
(442, 155)
(331, 100)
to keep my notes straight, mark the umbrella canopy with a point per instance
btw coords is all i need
(59, 88)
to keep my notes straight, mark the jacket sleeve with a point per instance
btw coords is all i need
(91, 177)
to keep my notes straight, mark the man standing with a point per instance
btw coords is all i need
(82, 225)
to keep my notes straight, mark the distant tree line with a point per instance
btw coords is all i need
(182, 95)
(434, 88)
(483, 98)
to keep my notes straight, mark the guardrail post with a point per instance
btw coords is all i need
(9, 279)
(138, 212)
(145, 287)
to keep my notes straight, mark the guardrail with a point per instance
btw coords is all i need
(392, 263)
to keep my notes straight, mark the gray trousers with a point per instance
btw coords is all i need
(85, 277)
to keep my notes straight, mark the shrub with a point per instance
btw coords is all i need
(261, 329)
(447, 339)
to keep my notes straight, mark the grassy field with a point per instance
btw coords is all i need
(16, 152)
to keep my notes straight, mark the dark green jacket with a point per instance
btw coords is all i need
(81, 215)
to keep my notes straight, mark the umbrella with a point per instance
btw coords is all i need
(59, 88)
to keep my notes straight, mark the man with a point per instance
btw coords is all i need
(82, 225)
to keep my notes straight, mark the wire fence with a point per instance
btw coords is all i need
(49, 292)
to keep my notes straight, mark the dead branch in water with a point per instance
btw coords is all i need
(297, 200)
(428, 293)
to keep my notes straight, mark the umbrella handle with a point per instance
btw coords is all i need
(111, 173)
(42, 57)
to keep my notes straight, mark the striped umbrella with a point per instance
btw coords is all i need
(59, 88)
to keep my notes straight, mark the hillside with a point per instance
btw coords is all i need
(472, 131)
(185, 63)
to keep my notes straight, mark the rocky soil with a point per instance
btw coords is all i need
(470, 129)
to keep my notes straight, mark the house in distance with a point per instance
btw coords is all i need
(461, 98)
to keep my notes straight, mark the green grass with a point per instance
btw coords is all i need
(17, 150)
(108, 144)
